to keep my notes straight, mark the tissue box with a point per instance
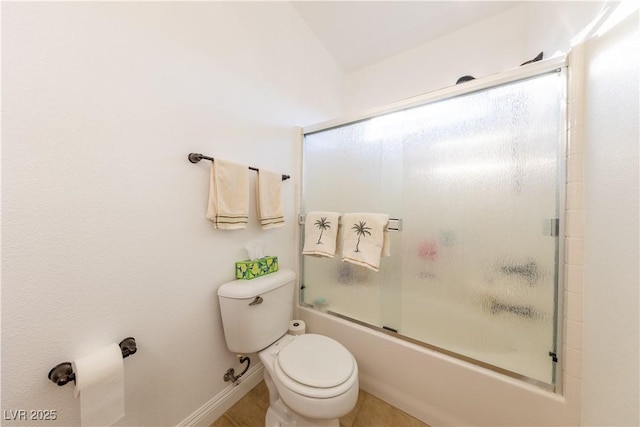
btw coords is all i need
(258, 267)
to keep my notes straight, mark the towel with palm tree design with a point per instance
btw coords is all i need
(321, 233)
(363, 238)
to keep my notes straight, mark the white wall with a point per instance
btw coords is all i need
(496, 44)
(103, 218)
(611, 345)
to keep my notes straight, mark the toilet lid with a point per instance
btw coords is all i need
(316, 361)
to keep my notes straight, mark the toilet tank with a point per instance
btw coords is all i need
(255, 313)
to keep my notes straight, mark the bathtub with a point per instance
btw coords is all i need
(511, 344)
(440, 389)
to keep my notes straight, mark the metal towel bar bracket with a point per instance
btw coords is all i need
(196, 157)
(63, 373)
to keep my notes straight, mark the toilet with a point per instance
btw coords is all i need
(312, 379)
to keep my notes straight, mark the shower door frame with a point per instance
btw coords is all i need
(535, 69)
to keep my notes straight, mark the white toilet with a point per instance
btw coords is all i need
(312, 379)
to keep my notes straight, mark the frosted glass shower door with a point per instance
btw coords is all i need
(354, 168)
(476, 180)
(481, 194)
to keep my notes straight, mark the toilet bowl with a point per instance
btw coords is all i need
(312, 380)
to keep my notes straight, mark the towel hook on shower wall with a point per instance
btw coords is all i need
(196, 157)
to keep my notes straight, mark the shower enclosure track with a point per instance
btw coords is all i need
(509, 76)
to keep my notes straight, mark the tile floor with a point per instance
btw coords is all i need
(370, 411)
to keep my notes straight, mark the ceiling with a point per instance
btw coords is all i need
(359, 33)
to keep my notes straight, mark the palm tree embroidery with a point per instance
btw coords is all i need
(361, 230)
(322, 225)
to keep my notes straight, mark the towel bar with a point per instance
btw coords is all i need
(63, 373)
(394, 224)
(196, 157)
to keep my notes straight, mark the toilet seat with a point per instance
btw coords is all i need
(316, 366)
(316, 361)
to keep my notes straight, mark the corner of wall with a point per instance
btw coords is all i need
(572, 293)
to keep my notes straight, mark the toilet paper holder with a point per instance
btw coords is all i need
(63, 373)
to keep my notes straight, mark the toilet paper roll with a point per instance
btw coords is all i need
(297, 327)
(100, 386)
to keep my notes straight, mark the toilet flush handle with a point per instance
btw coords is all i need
(256, 301)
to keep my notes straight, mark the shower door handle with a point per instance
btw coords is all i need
(552, 227)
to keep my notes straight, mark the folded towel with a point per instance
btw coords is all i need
(386, 245)
(363, 238)
(269, 199)
(228, 195)
(320, 233)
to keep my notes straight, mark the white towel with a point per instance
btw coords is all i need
(321, 233)
(228, 195)
(363, 238)
(386, 244)
(269, 197)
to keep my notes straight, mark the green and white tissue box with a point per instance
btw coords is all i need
(249, 269)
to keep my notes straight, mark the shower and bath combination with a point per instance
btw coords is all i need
(476, 174)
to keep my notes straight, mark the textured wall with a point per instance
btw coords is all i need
(103, 218)
(611, 345)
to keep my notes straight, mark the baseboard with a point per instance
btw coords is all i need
(220, 403)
